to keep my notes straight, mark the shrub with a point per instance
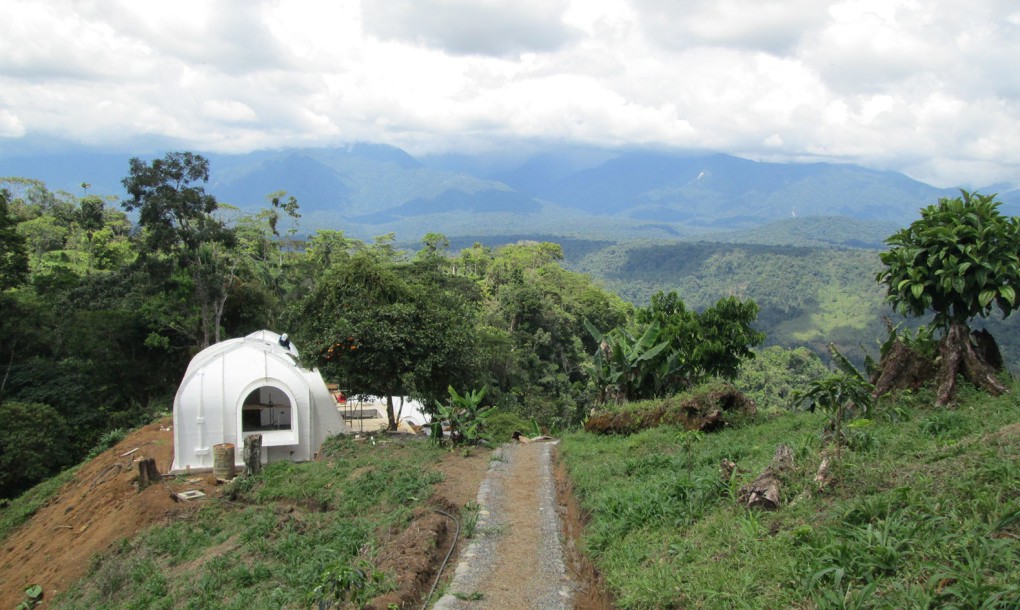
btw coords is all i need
(33, 445)
(501, 426)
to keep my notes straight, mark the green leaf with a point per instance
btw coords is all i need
(986, 297)
(917, 290)
(1008, 293)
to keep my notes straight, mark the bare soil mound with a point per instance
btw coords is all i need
(99, 506)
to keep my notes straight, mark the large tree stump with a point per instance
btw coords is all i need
(987, 349)
(764, 492)
(974, 356)
(960, 357)
(252, 455)
(148, 473)
(902, 368)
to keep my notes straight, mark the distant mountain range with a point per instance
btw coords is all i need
(372, 189)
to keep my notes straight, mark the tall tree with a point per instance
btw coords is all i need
(176, 215)
(956, 262)
(379, 326)
(13, 255)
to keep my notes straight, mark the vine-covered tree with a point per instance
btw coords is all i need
(958, 261)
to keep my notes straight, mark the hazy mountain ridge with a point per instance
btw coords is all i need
(373, 189)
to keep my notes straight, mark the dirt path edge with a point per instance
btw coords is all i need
(477, 567)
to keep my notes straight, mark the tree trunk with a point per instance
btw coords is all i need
(252, 455)
(960, 357)
(147, 473)
(987, 349)
(389, 412)
(974, 356)
(902, 368)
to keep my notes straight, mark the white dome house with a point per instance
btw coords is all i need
(251, 385)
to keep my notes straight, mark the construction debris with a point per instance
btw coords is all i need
(193, 494)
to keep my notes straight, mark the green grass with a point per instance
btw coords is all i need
(924, 512)
(293, 530)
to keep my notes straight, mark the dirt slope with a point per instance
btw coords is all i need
(102, 505)
(98, 507)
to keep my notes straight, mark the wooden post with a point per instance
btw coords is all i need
(252, 455)
(147, 473)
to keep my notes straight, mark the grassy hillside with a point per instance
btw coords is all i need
(923, 511)
(349, 526)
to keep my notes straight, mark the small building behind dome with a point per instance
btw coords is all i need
(251, 385)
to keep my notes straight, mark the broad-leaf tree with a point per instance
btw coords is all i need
(958, 262)
(673, 348)
(379, 327)
(176, 215)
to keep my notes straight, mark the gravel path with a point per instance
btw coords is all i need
(515, 559)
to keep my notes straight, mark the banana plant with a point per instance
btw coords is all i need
(465, 415)
(624, 365)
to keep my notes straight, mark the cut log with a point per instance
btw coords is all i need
(252, 455)
(147, 473)
(764, 492)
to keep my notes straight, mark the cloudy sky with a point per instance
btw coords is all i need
(928, 87)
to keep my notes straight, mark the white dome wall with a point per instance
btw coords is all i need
(208, 405)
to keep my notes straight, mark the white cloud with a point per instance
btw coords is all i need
(228, 110)
(228, 35)
(929, 87)
(10, 125)
(773, 26)
(480, 27)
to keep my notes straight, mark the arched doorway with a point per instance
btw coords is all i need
(267, 409)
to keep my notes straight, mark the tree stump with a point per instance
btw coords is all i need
(764, 492)
(252, 455)
(148, 473)
(902, 369)
(959, 356)
(823, 476)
